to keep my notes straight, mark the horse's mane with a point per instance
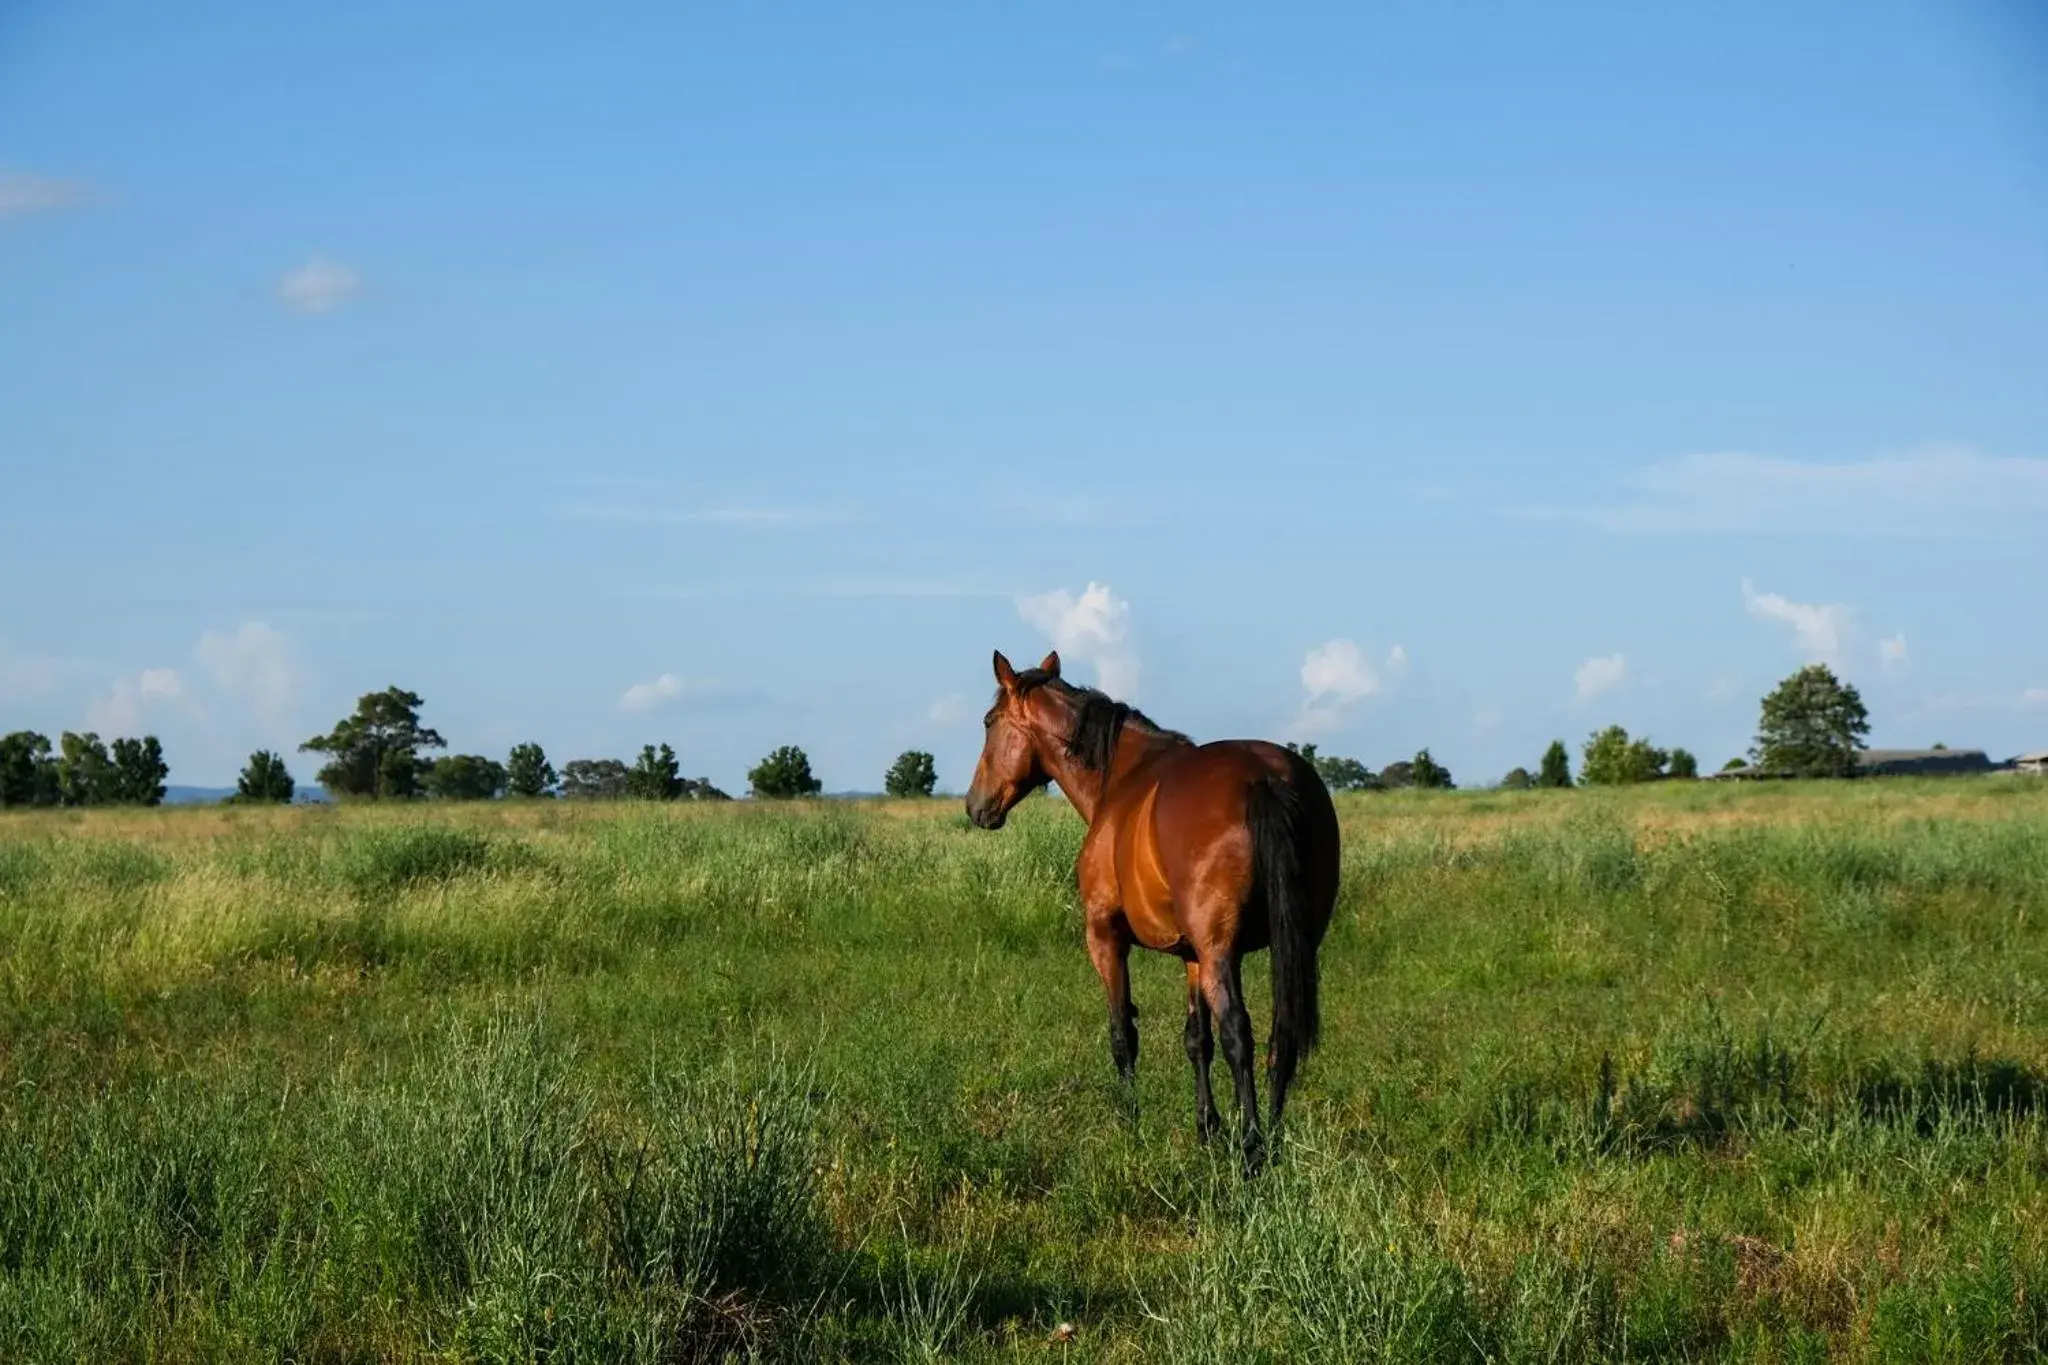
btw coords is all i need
(1099, 719)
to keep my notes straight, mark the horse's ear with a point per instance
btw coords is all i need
(1006, 676)
(1050, 664)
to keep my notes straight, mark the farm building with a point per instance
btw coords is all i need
(2035, 762)
(1920, 762)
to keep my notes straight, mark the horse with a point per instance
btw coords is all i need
(1204, 851)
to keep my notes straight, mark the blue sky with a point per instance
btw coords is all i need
(741, 374)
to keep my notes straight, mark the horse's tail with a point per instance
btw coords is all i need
(1274, 812)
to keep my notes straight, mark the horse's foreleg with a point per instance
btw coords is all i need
(1201, 1048)
(1220, 986)
(1110, 947)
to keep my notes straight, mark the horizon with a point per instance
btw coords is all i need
(730, 380)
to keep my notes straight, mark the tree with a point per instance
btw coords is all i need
(139, 771)
(1338, 774)
(28, 775)
(1605, 761)
(465, 777)
(1346, 774)
(376, 751)
(1427, 772)
(1400, 773)
(528, 772)
(265, 779)
(700, 789)
(593, 779)
(1812, 724)
(783, 775)
(1556, 769)
(1517, 780)
(1613, 759)
(1684, 767)
(914, 773)
(655, 777)
(85, 775)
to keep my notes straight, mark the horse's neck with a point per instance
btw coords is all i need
(1086, 788)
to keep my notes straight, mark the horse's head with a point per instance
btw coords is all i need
(1011, 767)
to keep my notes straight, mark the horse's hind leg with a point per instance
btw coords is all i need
(1220, 986)
(1201, 1048)
(1110, 948)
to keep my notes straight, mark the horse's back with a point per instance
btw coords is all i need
(1200, 815)
(1220, 775)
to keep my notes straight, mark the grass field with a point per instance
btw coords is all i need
(1689, 1072)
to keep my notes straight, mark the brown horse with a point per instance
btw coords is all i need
(1205, 851)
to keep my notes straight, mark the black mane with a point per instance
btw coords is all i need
(1099, 719)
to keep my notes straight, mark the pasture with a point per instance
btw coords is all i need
(1696, 1071)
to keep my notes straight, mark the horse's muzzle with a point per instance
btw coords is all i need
(986, 814)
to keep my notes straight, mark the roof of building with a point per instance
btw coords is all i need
(2037, 756)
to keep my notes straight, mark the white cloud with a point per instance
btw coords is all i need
(704, 695)
(652, 696)
(256, 666)
(159, 683)
(1338, 671)
(117, 712)
(951, 709)
(1940, 491)
(1335, 676)
(21, 195)
(1093, 629)
(319, 286)
(1603, 673)
(1818, 631)
(1487, 722)
(240, 691)
(120, 710)
(2035, 696)
(1891, 654)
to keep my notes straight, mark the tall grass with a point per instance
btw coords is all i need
(472, 1201)
(1683, 1074)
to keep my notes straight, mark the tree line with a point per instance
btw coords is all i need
(1349, 775)
(381, 752)
(1811, 725)
(83, 770)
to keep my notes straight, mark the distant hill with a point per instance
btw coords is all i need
(207, 796)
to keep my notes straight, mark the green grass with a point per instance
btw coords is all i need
(1701, 1072)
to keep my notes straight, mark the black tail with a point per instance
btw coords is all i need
(1275, 815)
